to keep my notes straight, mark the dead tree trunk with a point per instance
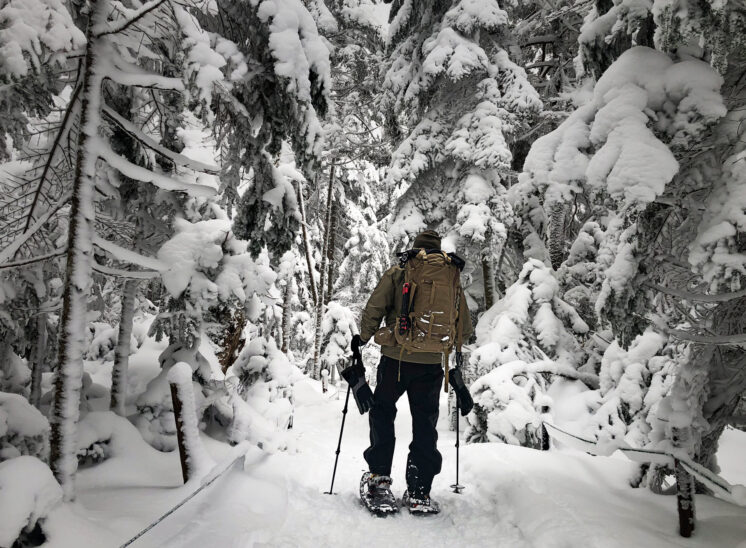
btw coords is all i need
(122, 353)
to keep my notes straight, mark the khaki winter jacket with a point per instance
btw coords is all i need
(385, 303)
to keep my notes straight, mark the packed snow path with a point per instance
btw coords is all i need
(515, 497)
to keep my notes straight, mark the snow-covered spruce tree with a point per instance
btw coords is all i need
(651, 243)
(275, 87)
(340, 324)
(263, 406)
(204, 268)
(451, 81)
(36, 37)
(527, 340)
(109, 29)
(366, 258)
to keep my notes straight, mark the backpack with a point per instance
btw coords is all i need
(428, 320)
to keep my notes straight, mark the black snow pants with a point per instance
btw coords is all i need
(422, 383)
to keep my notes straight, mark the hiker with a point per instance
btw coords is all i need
(426, 315)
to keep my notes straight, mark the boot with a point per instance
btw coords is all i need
(376, 494)
(419, 502)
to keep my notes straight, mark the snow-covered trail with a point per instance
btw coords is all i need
(515, 497)
(280, 500)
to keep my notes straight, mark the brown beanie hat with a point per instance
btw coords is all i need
(428, 239)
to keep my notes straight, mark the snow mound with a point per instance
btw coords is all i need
(28, 491)
(23, 429)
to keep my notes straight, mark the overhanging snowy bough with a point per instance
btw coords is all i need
(686, 471)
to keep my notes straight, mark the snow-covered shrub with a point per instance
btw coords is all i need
(23, 429)
(14, 373)
(509, 405)
(525, 341)
(263, 406)
(155, 409)
(511, 401)
(102, 341)
(530, 323)
(632, 384)
(338, 327)
(28, 491)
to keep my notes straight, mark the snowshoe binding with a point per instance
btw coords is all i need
(376, 495)
(419, 504)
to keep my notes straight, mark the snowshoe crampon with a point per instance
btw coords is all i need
(420, 506)
(376, 495)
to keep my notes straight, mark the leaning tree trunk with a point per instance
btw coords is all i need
(122, 353)
(320, 303)
(306, 244)
(69, 379)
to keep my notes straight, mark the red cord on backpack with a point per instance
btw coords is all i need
(404, 317)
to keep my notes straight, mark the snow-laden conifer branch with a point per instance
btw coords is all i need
(700, 297)
(115, 27)
(735, 339)
(128, 256)
(175, 157)
(30, 260)
(11, 250)
(67, 119)
(127, 274)
(145, 175)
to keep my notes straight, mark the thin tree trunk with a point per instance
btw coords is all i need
(320, 304)
(306, 244)
(69, 379)
(286, 316)
(122, 353)
(488, 277)
(333, 226)
(40, 354)
(556, 234)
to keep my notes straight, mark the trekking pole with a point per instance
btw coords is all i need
(457, 487)
(339, 445)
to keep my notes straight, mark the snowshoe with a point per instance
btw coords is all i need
(376, 495)
(420, 505)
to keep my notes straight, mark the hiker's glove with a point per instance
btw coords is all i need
(463, 397)
(356, 344)
(355, 377)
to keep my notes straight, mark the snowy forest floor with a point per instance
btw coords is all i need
(514, 496)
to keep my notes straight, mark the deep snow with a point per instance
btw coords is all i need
(515, 497)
